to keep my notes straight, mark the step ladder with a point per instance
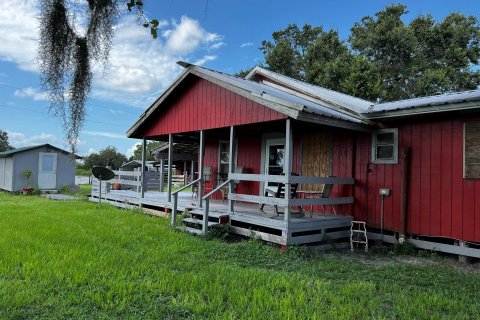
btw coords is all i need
(358, 234)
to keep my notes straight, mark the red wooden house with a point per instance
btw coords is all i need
(269, 130)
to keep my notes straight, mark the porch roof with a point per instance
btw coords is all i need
(422, 105)
(277, 99)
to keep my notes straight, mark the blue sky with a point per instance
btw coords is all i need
(222, 35)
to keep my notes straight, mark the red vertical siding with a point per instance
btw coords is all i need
(440, 202)
(203, 105)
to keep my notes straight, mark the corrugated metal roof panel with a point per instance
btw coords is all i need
(353, 103)
(448, 98)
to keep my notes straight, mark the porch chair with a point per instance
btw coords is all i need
(225, 190)
(280, 193)
(207, 182)
(326, 192)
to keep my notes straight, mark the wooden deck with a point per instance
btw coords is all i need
(246, 220)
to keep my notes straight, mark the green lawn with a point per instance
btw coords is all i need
(81, 260)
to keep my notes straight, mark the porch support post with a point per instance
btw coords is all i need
(231, 166)
(170, 156)
(201, 153)
(142, 174)
(287, 169)
(192, 170)
(162, 175)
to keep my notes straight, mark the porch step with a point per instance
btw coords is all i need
(190, 230)
(211, 214)
(198, 222)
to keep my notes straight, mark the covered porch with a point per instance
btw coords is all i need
(234, 197)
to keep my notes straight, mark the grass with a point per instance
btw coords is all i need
(82, 260)
(82, 172)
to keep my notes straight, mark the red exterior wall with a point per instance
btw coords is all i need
(249, 156)
(203, 105)
(440, 202)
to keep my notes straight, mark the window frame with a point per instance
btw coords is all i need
(220, 163)
(394, 160)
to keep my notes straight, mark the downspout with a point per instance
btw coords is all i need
(403, 191)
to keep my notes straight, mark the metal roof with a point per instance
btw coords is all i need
(18, 150)
(266, 92)
(337, 98)
(449, 98)
(300, 100)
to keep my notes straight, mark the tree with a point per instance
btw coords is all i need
(137, 153)
(66, 55)
(384, 58)
(107, 156)
(4, 144)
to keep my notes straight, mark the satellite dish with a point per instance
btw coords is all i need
(102, 174)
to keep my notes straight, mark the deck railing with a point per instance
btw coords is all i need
(206, 198)
(132, 180)
(175, 199)
(282, 202)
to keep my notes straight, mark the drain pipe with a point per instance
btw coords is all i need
(403, 191)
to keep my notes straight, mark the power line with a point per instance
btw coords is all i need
(46, 114)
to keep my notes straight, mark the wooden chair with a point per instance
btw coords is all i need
(207, 182)
(280, 193)
(326, 192)
(225, 190)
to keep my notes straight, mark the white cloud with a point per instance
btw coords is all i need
(187, 36)
(106, 134)
(139, 67)
(32, 93)
(204, 60)
(217, 45)
(19, 140)
(19, 33)
(246, 44)
(130, 150)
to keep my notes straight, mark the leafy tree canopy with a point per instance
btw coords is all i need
(137, 153)
(4, 144)
(384, 58)
(107, 156)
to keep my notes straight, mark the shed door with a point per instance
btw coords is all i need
(47, 170)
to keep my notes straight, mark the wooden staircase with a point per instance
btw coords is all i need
(194, 222)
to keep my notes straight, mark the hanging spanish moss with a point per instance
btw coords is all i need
(65, 57)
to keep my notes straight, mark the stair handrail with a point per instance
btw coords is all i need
(175, 199)
(207, 204)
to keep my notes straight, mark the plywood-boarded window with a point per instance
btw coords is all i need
(471, 147)
(315, 157)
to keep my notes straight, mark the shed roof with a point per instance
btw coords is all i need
(24, 149)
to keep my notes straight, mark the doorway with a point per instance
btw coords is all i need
(47, 170)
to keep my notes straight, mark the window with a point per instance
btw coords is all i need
(471, 150)
(385, 146)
